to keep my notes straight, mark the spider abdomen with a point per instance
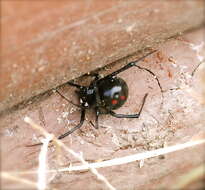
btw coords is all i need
(113, 92)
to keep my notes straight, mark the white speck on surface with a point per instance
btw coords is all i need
(90, 135)
(141, 163)
(59, 120)
(41, 68)
(90, 52)
(42, 64)
(197, 49)
(174, 65)
(35, 138)
(9, 132)
(65, 114)
(130, 28)
(72, 110)
(156, 10)
(115, 140)
(119, 20)
(15, 66)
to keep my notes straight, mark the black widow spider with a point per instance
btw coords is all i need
(105, 95)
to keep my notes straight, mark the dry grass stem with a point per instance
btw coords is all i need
(43, 163)
(189, 177)
(135, 157)
(7, 175)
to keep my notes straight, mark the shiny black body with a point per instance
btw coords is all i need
(105, 95)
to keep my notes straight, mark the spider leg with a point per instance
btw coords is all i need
(131, 64)
(69, 132)
(96, 118)
(37, 144)
(155, 77)
(124, 115)
(96, 75)
(96, 126)
(130, 115)
(82, 119)
(76, 85)
(80, 106)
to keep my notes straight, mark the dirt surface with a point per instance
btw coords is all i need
(169, 118)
